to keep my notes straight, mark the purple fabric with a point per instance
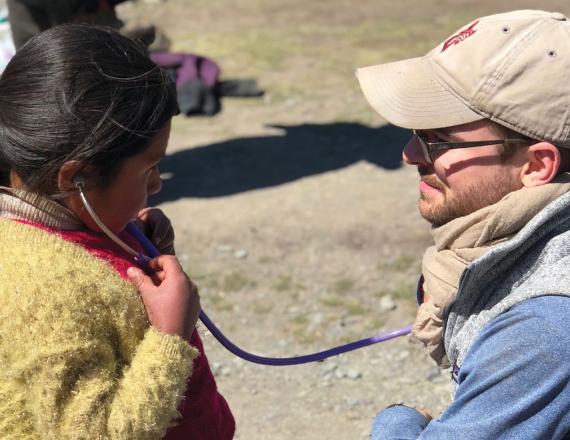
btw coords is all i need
(188, 67)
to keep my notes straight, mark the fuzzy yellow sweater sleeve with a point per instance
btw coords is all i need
(78, 359)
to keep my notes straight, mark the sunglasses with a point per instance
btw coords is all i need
(429, 147)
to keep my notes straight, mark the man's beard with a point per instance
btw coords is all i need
(451, 205)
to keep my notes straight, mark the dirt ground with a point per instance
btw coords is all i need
(293, 211)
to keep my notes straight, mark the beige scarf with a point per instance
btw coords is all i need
(462, 241)
(19, 204)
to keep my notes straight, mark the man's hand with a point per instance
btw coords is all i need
(424, 413)
(156, 226)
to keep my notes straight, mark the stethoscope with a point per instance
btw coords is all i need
(150, 250)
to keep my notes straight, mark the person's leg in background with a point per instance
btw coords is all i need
(29, 17)
(25, 21)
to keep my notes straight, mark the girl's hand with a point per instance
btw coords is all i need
(156, 226)
(170, 298)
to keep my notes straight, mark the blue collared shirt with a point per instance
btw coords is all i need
(514, 382)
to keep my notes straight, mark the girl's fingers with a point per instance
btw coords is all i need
(158, 277)
(167, 266)
(166, 263)
(140, 280)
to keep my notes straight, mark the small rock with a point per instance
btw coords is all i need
(291, 102)
(224, 249)
(328, 368)
(352, 403)
(183, 257)
(339, 373)
(293, 310)
(408, 380)
(238, 362)
(316, 319)
(353, 374)
(216, 367)
(270, 416)
(240, 254)
(387, 303)
(225, 371)
(404, 354)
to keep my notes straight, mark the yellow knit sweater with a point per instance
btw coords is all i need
(78, 359)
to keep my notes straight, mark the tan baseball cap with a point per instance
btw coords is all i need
(513, 68)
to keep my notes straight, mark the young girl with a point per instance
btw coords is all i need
(91, 347)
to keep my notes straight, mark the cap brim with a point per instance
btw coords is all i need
(407, 94)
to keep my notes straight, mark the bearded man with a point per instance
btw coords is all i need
(490, 113)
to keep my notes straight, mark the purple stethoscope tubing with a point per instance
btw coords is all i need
(152, 252)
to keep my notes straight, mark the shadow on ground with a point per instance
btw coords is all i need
(246, 164)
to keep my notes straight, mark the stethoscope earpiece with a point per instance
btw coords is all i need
(79, 181)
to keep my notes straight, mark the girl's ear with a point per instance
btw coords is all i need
(543, 163)
(15, 181)
(68, 174)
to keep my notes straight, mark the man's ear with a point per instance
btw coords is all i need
(542, 164)
(67, 175)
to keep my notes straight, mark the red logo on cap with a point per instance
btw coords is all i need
(458, 38)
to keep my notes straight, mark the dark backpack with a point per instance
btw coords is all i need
(196, 79)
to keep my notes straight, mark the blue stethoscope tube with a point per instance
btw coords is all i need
(151, 252)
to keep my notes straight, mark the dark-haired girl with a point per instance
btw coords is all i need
(91, 347)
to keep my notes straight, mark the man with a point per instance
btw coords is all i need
(30, 17)
(490, 110)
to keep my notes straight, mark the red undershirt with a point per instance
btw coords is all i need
(205, 413)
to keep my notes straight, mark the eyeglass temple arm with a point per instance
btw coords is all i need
(437, 146)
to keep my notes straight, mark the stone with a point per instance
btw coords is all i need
(316, 320)
(328, 368)
(353, 374)
(402, 355)
(240, 254)
(216, 367)
(339, 374)
(224, 249)
(387, 303)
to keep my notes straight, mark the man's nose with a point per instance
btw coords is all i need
(413, 154)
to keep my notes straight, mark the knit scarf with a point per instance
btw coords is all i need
(19, 204)
(463, 240)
